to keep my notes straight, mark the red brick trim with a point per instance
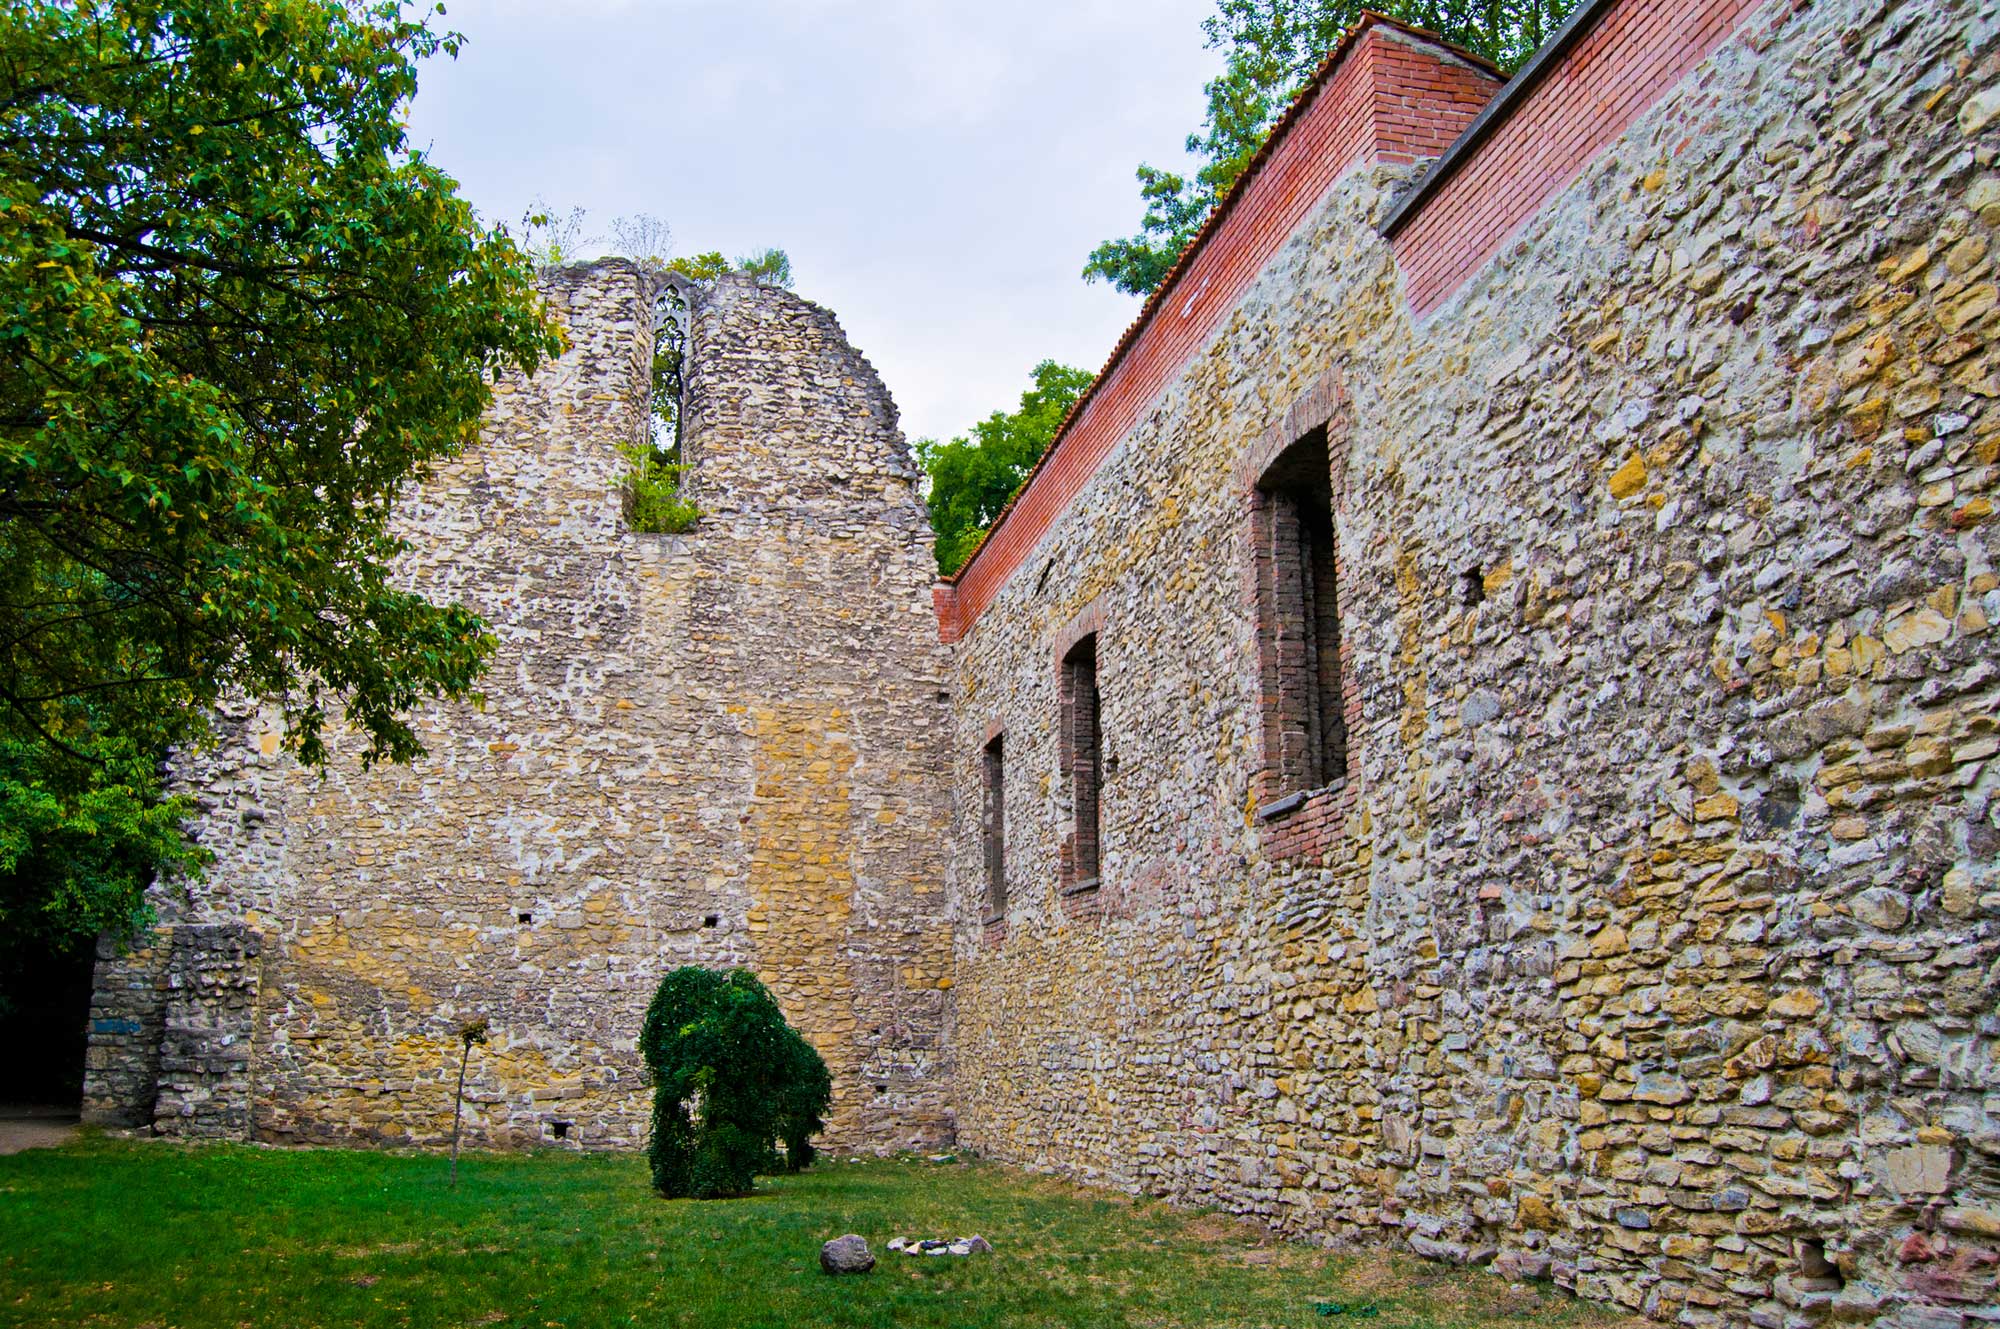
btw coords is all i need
(1313, 408)
(994, 728)
(1297, 823)
(1307, 833)
(1571, 109)
(1339, 439)
(1387, 93)
(1083, 906)
(1080, 743)
(944, 603)
(1085, 622)
(993, 827)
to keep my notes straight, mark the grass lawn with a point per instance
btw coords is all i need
(116, 1233)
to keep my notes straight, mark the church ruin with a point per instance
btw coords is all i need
(1481, 732)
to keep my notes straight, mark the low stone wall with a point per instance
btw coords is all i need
(212, 979)
(1652, 941)
(128, 1013)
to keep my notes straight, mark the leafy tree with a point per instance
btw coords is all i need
(1273, 47)
(654, 502)
(731, 1081)
(237, 316)
(972, 477)
(772, 267)
(80, 841)
(703, 269)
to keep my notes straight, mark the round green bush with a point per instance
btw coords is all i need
(731, 1082)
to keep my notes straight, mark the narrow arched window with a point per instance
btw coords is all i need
(1298, 623)
(1083, 762)
(993, 825)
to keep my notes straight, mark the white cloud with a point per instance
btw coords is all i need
(938, 171)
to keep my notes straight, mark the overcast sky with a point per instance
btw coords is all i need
(937, 169)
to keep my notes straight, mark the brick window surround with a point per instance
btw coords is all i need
(1082, 755)
(1298, 622)
(1305, 699)
(993, 825)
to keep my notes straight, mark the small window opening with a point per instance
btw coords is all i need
(1474, 583)
(658, 462)
(1816, 1272)
(561, 1129)
(1083, 759)
(993, 824)
(711, 920)
(524, 917)
(1305, 724)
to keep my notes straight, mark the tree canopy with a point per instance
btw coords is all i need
(1272, 47)
(973, 475)
(731, 1081)
(238, 316)
(79, 841)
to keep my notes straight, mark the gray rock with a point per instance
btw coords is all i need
(1480, 707)
(1451, 1252)
(846, 1255)
(1521, 1265)
(1882, 909)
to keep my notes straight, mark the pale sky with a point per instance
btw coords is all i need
(938, 171)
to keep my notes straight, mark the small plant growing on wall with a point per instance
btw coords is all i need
(654, 503)
(736, 1090)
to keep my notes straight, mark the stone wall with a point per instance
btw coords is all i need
(208, 1024)
(1653, 941)
(720, 748)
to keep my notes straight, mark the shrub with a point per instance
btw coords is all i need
(653, 499)
(731, 1081)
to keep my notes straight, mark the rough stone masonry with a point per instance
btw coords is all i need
(1646, 932)
(1481, 733)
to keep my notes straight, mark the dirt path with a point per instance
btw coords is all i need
(34, 1127)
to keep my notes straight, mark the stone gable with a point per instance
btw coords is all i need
(720, 748)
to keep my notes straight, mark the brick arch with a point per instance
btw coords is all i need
(1322, 404)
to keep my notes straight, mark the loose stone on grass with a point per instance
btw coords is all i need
(846, 1255)
(973, 1245)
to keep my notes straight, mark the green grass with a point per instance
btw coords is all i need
(110, 1233)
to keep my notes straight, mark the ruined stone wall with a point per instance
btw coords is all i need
(1654, 940)
(718, 748)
